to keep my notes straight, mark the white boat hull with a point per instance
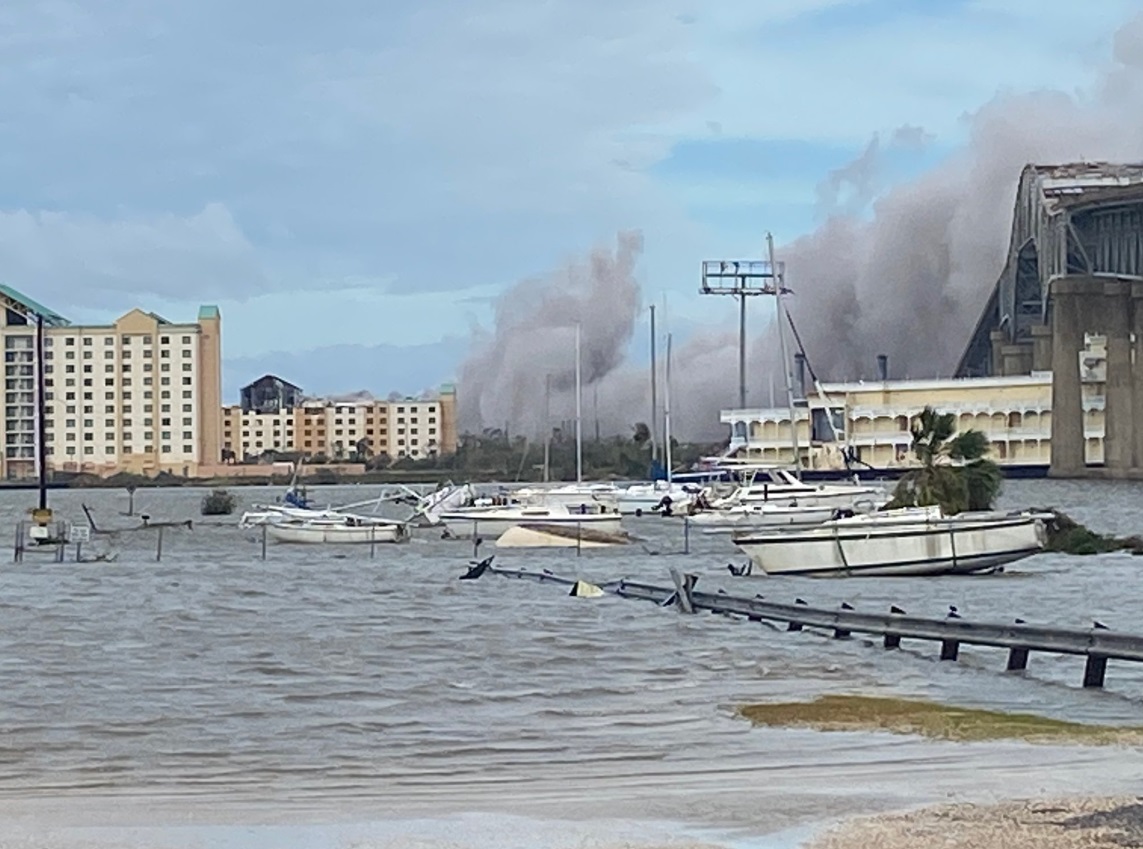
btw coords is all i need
(772, 516)
(318, 534)
(494, 524)
(888, 548)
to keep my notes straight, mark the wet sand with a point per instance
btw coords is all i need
(1107, 823)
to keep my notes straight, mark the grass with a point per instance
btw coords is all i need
(931, 719)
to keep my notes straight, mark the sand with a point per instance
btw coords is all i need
(1044, 824)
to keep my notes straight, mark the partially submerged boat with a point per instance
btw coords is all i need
(910, 541)
(747, 517)
(343, 529)
(543, 535)
(494, 520)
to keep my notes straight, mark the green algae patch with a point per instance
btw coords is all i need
(932, 719)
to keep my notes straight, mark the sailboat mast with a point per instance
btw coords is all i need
(654, 398)
(41, 418)
(547, 426)
(667, 412)
(778, 284)
(578, 409)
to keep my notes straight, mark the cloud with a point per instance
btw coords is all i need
(81, 261)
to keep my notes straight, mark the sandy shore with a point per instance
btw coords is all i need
(1044, 824)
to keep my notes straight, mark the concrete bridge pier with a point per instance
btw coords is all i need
(1096, 305)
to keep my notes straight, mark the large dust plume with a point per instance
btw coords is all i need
(908, 280)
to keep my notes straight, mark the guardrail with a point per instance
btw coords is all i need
(1098, 644)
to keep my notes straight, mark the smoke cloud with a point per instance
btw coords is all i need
(909, 280)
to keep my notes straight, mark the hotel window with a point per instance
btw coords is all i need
(87, 355)
(148, 436)
(108, 340)
(146, 340)
(126, 449)
(109, 437)
(188, 407)
(186, 366)
(127, 354)
(89, 449)
(165, 367)
(187, 435)
(187, 354)
(109, 368)
(188, 449)
(69, 340)
(165, 408)
(186, 382)
(186, 340)
(166, 422)
(166, 449)
(164, 340)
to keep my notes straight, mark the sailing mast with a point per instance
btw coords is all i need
(667, 413)
(41, 426)
(778, 285)
(547, 426)
(578, 409)
(654, 399)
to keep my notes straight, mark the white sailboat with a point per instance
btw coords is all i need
(342, 529)
(495, 520)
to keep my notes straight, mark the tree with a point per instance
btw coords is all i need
(954, 472)
(363, 449)
(642, 433)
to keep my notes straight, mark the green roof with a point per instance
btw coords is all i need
(31, 309)
(207, 311)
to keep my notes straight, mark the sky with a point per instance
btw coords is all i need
(355, 184)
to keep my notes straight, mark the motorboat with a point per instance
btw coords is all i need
(744, 517)
(640, 498)
(908, 541)
(494, 520)
(338, 529)
(777, 484)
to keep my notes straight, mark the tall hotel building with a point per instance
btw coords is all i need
(141, 395)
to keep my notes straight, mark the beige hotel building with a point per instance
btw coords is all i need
(142, 394)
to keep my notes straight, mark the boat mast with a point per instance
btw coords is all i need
(654, 399)
(778, 287)
(667, 413)
(578, 410)
(547, 426)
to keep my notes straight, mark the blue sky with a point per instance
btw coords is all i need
(353, 182)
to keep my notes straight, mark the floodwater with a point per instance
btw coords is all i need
(326, 698)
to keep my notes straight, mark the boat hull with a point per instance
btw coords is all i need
(338, 534)
(745, 521)
(946, 546)
(494, 526)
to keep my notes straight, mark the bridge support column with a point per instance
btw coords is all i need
(1067, 403)
(1041, 347)
(1137, 365)
(999, 339)
(1016, 359)
(1119, 436)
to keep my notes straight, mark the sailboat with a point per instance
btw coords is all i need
(662, 495)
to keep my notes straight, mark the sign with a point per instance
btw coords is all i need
(78, 533)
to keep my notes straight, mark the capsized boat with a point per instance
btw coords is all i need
(541, 535)
(909, 541)
(342, 529)
(494, 520)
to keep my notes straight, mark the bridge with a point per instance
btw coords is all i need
(1074, 270)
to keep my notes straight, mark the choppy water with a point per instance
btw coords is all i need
(333, 699)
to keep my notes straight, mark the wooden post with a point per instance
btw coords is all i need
(372, 541)
(686, 534)
(263, 540)
(950, 649)
(1093, 670)
(1017, 660)
(18, 550)
(159, 546)
(578, 538)
(79, 552)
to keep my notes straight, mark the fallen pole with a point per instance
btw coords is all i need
(1098, 644)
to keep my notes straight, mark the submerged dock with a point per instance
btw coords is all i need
(1097, 645)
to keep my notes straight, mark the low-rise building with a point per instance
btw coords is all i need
(869, 421)
(358, 427)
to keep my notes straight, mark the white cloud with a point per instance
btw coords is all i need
(76, 260)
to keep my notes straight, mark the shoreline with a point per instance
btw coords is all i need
(1069, 822)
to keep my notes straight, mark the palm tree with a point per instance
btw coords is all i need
(954, 472)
